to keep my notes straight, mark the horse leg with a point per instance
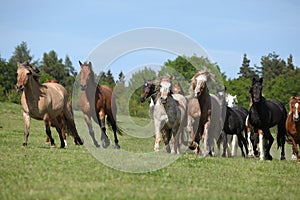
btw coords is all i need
(26, 127)
(281, 139)
(63, 129)
(241, 142)
(233, 145)
(104, 138)
(70, 124)
(48, 131)
(206, 142)
(249, 133)
(295, 148)
(270, 141)
(167, 139)
(261, 146)
(58, 126)
(114, 128)
(88, 122)
(224, 137)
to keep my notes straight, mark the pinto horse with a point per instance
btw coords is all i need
(265, 114)
(293, 124)
(169, 116)
(98, 101)
(47, 102)
(204, 114)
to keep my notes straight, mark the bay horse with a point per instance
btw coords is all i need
(265, 114)
(293, 124)
(98, 102)
(47, 102)
(169, 116)
(206, 122)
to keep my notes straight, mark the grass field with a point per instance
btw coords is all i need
(40, 172)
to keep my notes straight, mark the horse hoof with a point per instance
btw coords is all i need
(282, 158)
(268, 157)
(105, 143)
(24, 144)
(117, 146)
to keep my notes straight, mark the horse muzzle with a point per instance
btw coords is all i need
(142, 99)
(163, 100)
(295, 119)
(20, 88)
(83, 87)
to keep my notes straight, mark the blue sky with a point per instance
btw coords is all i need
(225, 29)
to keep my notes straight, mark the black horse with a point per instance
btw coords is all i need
(265, 114)
(235, 125)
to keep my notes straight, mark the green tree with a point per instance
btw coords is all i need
(53, 66)
(134, 89)
(272, 66)
(21, 54)
(110, 79)
(245, 70)
(184, 68)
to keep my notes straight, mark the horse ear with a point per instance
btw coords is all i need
(90, 64)
(80, 63)
(253, 80)
(261, 80)
(19, 64)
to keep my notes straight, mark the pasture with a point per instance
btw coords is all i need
(41, 172)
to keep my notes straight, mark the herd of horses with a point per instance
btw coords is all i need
(200, 120)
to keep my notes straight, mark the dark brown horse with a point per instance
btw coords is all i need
(293, 124)
(265, 114)
(97, 102)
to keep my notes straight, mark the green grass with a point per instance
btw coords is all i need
(40, 172)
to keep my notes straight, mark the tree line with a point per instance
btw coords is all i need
(281, 78)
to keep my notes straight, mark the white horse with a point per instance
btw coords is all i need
(169, 116)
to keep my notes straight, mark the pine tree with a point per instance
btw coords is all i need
(21, 54)
(245, 70)
(110, 79)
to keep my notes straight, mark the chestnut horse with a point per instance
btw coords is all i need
(48, 102)
(98, 101)
(265, 114)
(293, 124)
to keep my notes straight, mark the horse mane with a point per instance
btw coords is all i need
(36, 73)
(206, 72)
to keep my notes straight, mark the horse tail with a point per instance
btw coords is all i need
(114, 125)
(282, 133)
(70, 124)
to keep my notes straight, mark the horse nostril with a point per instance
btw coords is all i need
(142, 99)
(20, 88)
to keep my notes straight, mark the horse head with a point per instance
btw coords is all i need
(256, 90)
(24, 72)
(86, 74)
(165, 84)
(295, 108)
(199, 82)
(148, 89)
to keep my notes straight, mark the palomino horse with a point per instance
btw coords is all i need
(265, 114)
(204, 114)
(98, 101)
(48, 102)
(169, 116)
(293, 124)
